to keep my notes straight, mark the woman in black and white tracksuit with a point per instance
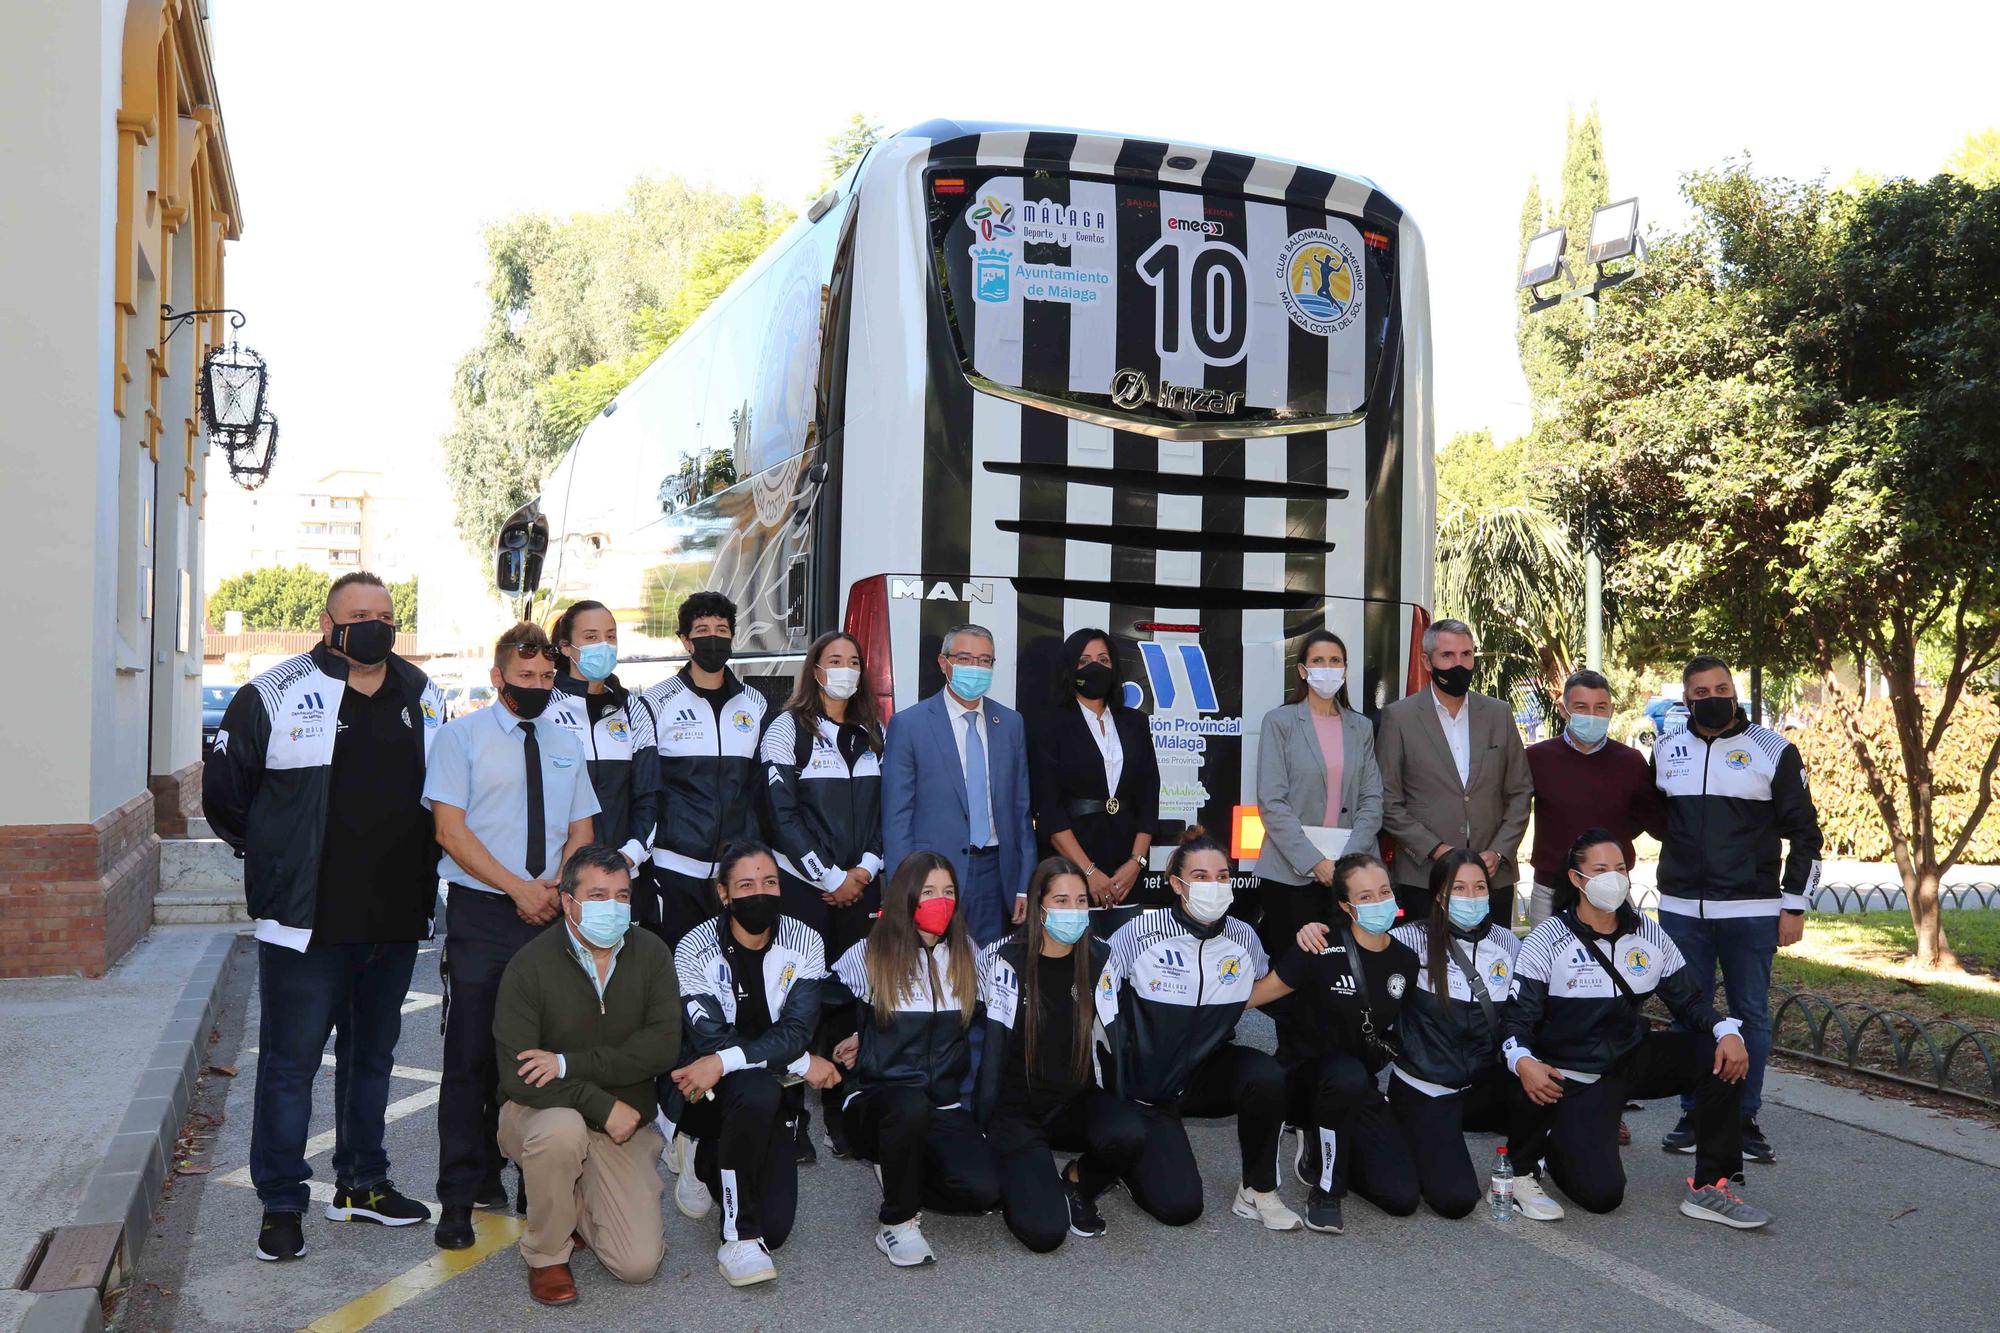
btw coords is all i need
(1177, 981)
(822, 758)
(590, 704)
(1037, 1085)
(915, 979)
(1449, 1078)
(1580, 1047)
(1334, 1040)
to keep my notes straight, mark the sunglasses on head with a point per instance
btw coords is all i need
(526, 651)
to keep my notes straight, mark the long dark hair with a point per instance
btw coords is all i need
(1081, 979)
(1566, 895)
(890, 959)
(805, 706)
(1311, 641)
(1072, 648)
(1437, 927)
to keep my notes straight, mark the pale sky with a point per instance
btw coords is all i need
(370, 149)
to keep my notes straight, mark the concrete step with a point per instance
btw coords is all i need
(199, 907)
(198, 828)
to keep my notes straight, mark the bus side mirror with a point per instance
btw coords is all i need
(518, 554)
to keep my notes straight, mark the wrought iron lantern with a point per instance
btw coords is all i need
(251, 453)
(234, 381)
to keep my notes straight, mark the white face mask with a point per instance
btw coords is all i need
(1326, 681)
(1607, 892)
(841, 682)
(1207, 903)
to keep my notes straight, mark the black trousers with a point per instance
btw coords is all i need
(482, 934)
(1578, 1136)
(1337, 1098)
(744, 1155)
(1033, 1198)
(930, 1158)
(1434, 1130)
(840, 928)
(681, 902)
(1165, 1181)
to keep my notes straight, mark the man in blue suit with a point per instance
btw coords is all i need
(955, 781)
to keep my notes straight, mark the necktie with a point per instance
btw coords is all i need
(538, 834)
(975, 783)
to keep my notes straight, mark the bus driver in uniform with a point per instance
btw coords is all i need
(512, 799)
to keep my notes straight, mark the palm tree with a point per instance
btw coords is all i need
(1515, 574)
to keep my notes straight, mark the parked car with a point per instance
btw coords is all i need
(462, 699)
(214, 703)
(1663, 717)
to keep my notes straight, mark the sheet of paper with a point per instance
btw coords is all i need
(1332, 842)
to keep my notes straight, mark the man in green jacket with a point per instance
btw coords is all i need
(588, 1018)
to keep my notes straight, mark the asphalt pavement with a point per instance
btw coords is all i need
(1871, 1231)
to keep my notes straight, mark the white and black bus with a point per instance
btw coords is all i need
(1036, 379)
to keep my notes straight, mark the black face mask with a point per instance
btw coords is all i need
(1453, 680)
(755, 912)
(1713, 713)
(710, 651)
(1094, 680)
(366, 641)
(526, 703)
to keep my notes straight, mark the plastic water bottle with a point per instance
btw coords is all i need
(1500, 1198)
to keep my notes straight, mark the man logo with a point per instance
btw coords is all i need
(914, 590)
(1160, 675)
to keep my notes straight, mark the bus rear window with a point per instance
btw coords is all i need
(1163, 303)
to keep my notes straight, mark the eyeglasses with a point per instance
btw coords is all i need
(529, 651)
(967, 659)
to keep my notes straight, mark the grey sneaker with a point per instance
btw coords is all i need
(1715, 1203)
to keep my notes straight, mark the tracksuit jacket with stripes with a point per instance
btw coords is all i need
(1000, 968)
(704, 797)
(826, 817)
(794, 968)
(925, 1045)
(1448, 1048)
(620, 768)
(1730, 799)
(1169, 997)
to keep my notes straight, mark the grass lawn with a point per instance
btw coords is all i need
(1861, 956)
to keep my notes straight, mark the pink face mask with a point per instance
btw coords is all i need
(934, 915)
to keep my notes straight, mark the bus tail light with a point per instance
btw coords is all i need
(1420, 670)
(1246, 833)
(868, 625)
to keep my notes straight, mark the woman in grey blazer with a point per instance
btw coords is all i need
(1302, 742)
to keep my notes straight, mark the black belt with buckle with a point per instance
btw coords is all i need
(982, 851)
(1078, 809)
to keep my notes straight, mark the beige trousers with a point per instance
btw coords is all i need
(579, 1180)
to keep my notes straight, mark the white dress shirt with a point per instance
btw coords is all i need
(957, 712)
(1104, 730)
(1457, 733)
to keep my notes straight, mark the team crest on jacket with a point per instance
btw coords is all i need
(619, 731)
(785, 978)
(1637, 961)
(742, 721)
(430, 713)
(1737, 759)
(1497, 974)
(1229, 969)
(1396, 984)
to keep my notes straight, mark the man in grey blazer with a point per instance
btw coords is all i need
(1454, 774)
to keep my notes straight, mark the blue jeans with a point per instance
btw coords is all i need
(357, 989)
(1744, 946)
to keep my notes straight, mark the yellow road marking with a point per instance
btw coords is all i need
(491, 1234)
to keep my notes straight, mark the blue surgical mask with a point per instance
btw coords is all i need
(604, 923)
(1466, 912)
(1376, 917)
(970, 683)
(1587, 730)
(595, 661)
(1066, 924)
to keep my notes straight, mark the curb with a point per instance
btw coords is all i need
(125, 1187)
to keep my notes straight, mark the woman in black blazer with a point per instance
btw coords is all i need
(1095, 781)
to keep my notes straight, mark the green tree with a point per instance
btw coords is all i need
(848, 145)
(1790, 419)
(1552, 342)
(1475, 472)
(1514, 574)
(1977, 160)
(404, 596)
(273, 598)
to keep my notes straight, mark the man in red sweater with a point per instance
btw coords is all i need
(1584, 779)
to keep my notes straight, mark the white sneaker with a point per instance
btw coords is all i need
(691, 1196)
(673, 1152)
(904, 1244)
(744, 1263)
(1265, 1206)
(1531, 1200)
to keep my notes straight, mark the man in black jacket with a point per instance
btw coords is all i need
(1733, 790)
(315, 780)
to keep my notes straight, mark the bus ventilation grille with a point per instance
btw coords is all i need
(1169, 483)
(1135, 536)
(1179, 596)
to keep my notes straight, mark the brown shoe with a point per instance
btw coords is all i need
(1624, 1134)
(552, 1285)
(577, 1242)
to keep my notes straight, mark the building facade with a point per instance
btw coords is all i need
(119, 200)
(336, 523)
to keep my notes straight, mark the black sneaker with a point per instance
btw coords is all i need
(378, 1203)
(493, 1195)
(1757, 1148)
(1323, 1212)
(803, 1151)
(454, 1228)
(1681, 1137)
(1305, 1158)
(1084, 1219)
(281, 1237)
(836, 1137)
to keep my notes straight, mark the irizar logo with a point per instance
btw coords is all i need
(914, 590)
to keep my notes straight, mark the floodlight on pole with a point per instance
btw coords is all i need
(1614, 234)
(1541, 264)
